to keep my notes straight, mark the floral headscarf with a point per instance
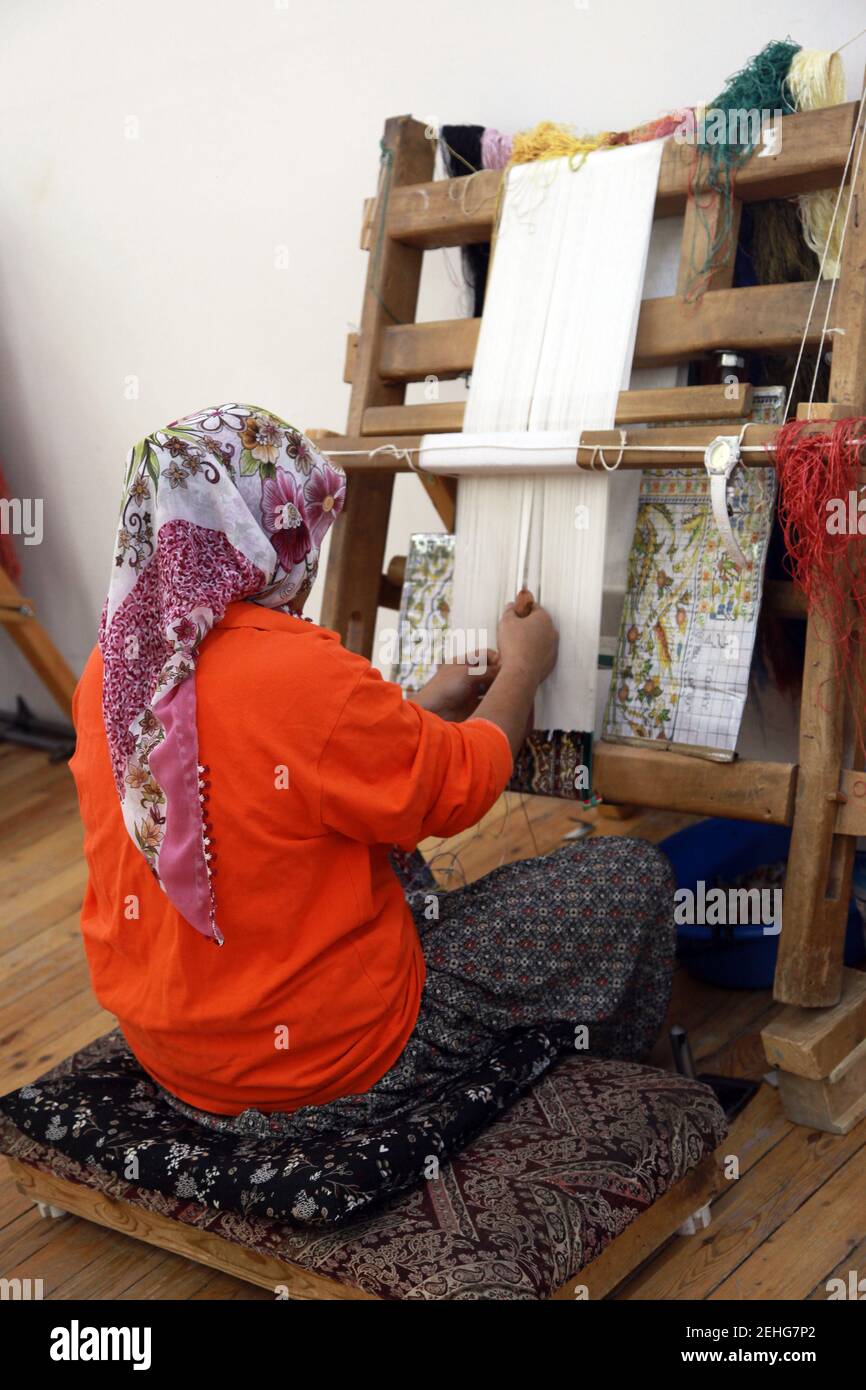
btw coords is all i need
(232, 503)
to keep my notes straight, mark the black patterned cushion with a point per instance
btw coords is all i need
(527, 1203)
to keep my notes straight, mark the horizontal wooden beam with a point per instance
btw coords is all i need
(676, 447)
(649, 407)
(834, 1104)
(813, 1042)
(758, 318)
(427, 417)
(851, 804)
(825, 410)
(442, 348)
(460, 212)
(741, 790)
(176, 1238)
(766, 318)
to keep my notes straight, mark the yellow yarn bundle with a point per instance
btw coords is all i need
(547, 140)
(817, 79)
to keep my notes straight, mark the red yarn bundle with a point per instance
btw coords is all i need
(823, 516)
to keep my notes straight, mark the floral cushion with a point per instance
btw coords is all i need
(527, 1203)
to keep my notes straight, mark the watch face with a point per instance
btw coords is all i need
(718, 454)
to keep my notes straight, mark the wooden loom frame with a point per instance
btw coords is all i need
(823, 796)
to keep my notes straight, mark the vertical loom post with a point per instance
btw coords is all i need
(390, 296)
(818, 882)
(700, 227)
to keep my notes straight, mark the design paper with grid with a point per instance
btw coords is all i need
(687, 635)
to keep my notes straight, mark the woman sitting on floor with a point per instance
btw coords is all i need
(243, 782)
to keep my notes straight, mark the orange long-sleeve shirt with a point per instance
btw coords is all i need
(317, 766)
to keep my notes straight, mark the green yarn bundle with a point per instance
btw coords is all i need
(759, 87)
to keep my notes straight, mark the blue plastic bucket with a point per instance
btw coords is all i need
(742, 956)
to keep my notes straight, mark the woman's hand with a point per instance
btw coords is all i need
(455, 690)
(527, 654)
(529, 644)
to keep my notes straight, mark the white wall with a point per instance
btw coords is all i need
(257, 127)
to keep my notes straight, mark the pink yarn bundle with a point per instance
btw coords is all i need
(495, 149)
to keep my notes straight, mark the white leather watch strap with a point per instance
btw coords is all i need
(720, 459)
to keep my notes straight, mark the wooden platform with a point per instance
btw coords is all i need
(795, 1217)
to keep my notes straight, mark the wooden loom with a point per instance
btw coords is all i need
(817, 1047)
(823, 796)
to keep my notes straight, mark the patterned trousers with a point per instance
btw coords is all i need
(583, 936)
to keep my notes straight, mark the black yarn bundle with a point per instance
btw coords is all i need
(461, 151)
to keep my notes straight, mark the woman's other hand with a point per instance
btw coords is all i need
(455, 690)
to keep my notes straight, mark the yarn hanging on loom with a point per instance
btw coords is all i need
(466, 149)
(778, 250)
(658, 129)
(461, 152)
(549, 140)
(759, 87)
(767, 83)
(495, 149)
(772, 251)
(815, 80)
(554, 351)
(819, 494)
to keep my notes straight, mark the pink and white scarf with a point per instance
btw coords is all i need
(231, 503)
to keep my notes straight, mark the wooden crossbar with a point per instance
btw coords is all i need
(812, 152)
(683, 447)
(634, 407)
(412, 214)
(762, 318)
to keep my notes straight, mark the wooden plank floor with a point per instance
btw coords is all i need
(795, 1217)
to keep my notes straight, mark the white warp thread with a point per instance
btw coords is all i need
(555, 349)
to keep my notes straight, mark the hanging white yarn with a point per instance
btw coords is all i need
(555, 349)
(816, 80)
